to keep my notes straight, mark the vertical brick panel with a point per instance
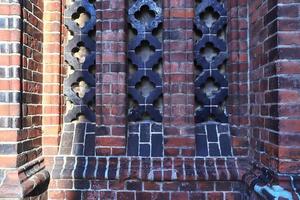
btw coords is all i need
(111, 95)
(10, 89)
(238, 97)
(21, 89)
(263, 86)
(32, 81)
(178, 78)
(274, 99)
(287, 81)
(52, 76)
(145, 132)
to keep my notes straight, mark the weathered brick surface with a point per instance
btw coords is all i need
(22, 165)
(163, 190)
(98, 151)
(273, 28)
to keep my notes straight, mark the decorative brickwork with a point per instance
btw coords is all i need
(213, 140)
(79, 85)
(77, 79)
(210, 56)
(22, 166)
(78, 136)
(145, 138)
(211, 85)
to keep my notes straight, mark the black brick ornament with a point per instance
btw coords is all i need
(145, 135)
(81, 38)
(212, 128)
(210, 105)
(144, 68)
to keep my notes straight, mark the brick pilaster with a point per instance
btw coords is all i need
(21, 76)
(178, 68)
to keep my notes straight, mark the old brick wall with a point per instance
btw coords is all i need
(22, 164)
(274, 47)
(106, 161)
(222, 114)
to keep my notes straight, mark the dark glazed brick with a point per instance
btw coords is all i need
(101, 168)
(77, 149)
(79, 133)
(144, 150)
(89, 147)
(112, 168)
(200, 129)
(133, 128)
(82, 184)
(67, 139)
(156, 128)
(157, 145)
(9, 97)
(145, 132)
(7, 149)
(90, 128)
(212, 133)
(145, 105)
(201, 145)
(90, 171)
(79, 168)
(132, 146)
(81, 36)
(222, 128)
(225, 145)
(214, 149)
(210, 103)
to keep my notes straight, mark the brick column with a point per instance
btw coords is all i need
(178, 78)
(10, 62)
(111, 78)
(237, 71)
(274, 92)
(52, 76)
(288, 82)
(22, 165)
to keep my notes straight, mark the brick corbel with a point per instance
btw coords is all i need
(21, 182)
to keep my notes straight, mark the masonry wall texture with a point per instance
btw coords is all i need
(149, 99)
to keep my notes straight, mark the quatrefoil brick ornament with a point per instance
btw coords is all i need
(78, 8)
(210, 52)
(137, 24)
(153, 59)
(80, 55)
(217, 43)
(144, 66)
(144, 86)
(145, 103)
(211, 84)
(218, 24)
